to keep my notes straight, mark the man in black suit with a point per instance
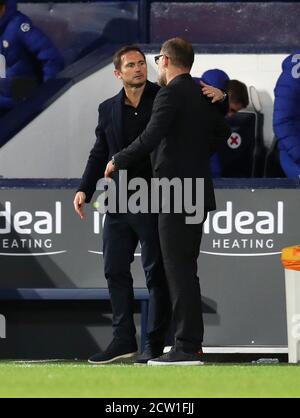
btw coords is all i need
(121, 119)
(182, 134)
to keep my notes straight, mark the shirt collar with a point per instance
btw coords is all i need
(146, 93)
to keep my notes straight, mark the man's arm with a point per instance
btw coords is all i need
(223, 106)
(93, 172)
(217, 96)
(222, 132)
(96, 163)
(163, 115)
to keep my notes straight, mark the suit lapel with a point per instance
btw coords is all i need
(117, 120)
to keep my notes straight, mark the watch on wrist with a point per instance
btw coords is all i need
(224, 96)
(113, 161)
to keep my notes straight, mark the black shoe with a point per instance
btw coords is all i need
(149, 353)
(178, 358)
(115, 351)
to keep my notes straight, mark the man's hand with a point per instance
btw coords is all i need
(79, 202)
(212, 92)
(110, 168)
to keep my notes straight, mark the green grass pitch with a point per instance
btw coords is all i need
(129, 381)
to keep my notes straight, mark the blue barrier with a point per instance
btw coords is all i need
(241, 276)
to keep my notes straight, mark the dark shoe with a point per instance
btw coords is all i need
(178, 358)
(149, 353)
(115, 351)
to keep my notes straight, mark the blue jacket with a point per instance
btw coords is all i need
(27, 50)
(286, 119)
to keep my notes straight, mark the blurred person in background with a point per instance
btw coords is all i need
(238, 99)
(28, 56)
(237, 91)
(286, 120)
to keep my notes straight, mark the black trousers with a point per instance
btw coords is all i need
(180, 245)
(122, 232)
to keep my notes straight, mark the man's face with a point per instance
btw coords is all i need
(234, 107)
(133, 70)
(162, 77)
(2, 10)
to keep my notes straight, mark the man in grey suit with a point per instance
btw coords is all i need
(183, 132)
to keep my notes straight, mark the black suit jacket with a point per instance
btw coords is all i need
(184, 131)
(110, 141)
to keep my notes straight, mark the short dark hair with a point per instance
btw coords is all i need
(117, 60)
(180, 52)
(238, 92)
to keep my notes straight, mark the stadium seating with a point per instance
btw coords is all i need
(227, 23)
(244, 153)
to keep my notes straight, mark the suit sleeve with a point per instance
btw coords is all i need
(96, 164)
(223, 106)
(222, 132)
(163, 115)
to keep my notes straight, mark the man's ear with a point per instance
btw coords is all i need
(118, 74)
(166, 61)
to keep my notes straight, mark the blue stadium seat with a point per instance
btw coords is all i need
(244, 153)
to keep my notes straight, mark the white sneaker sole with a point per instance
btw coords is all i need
(122, 357)
(175, 363)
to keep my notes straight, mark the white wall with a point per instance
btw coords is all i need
(57, 143)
